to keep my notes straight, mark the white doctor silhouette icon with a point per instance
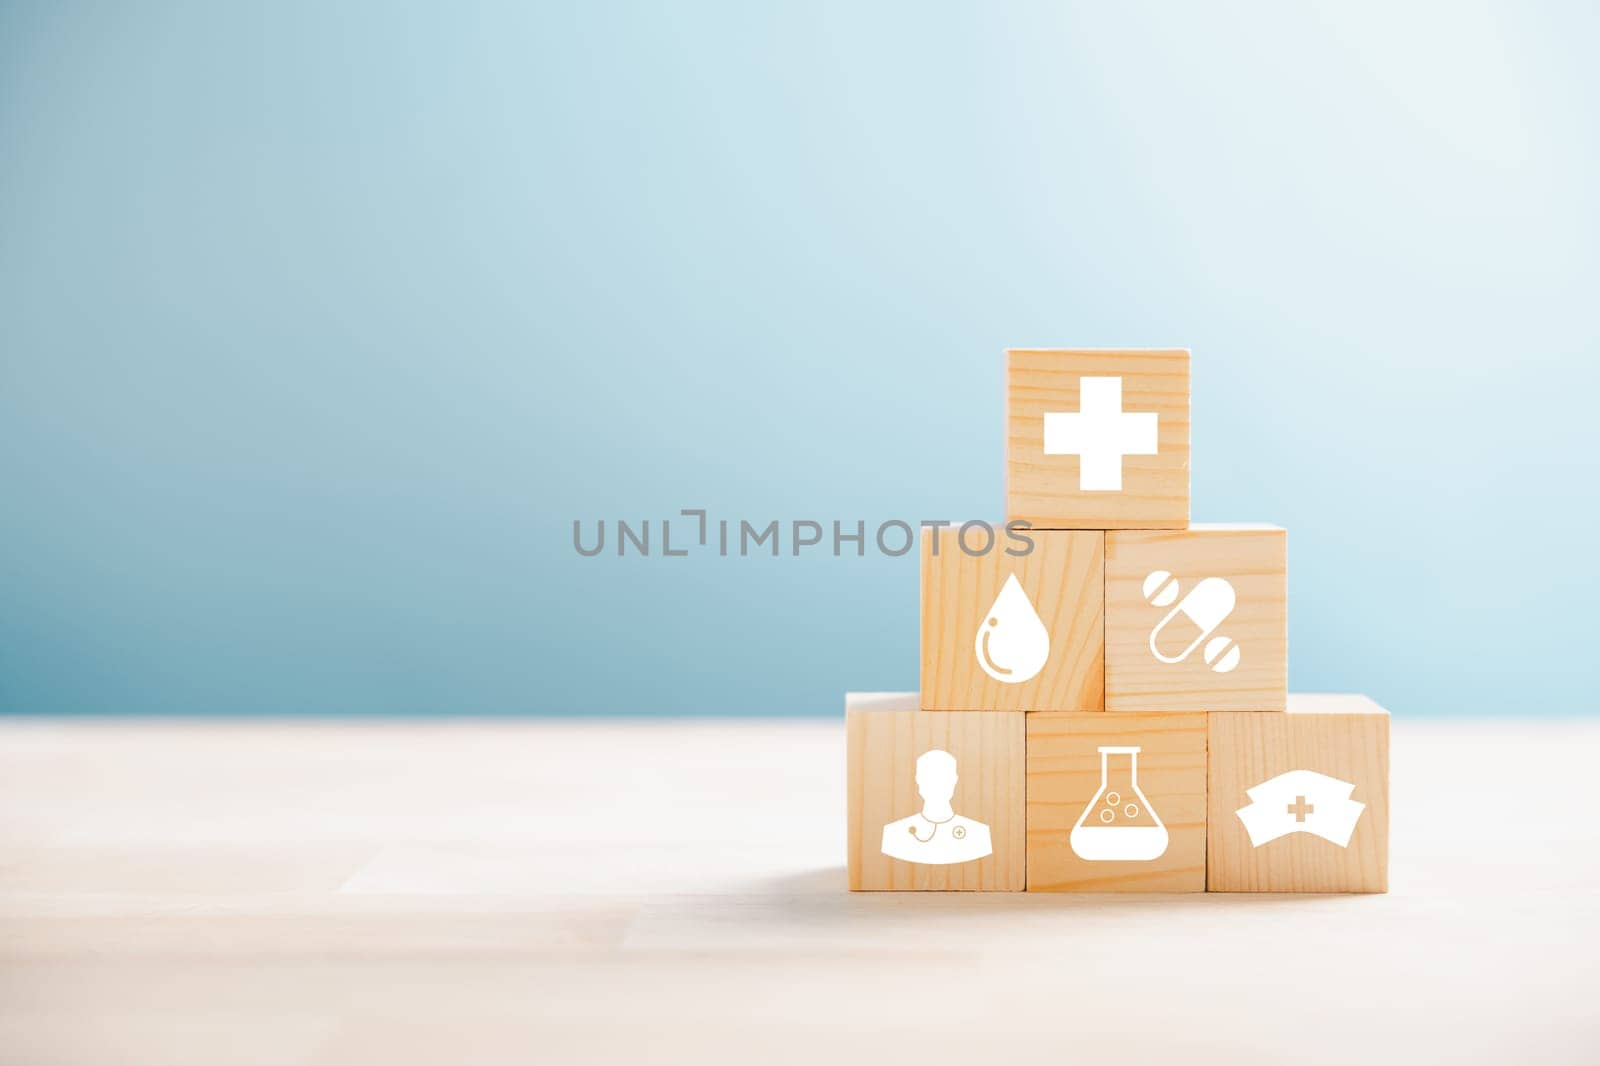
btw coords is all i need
(937, 836)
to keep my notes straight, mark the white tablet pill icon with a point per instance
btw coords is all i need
(1160, 588)
(1206, 607)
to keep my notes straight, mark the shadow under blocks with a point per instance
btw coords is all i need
(1104, 701)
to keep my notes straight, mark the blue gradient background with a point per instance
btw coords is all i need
(319, 325)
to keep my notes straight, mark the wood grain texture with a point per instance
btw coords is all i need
(1043, 489)
(1251, 558)
(1063, 576)
(884, 743)
(1343, 736)
(1064, 777)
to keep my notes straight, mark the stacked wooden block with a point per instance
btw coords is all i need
(1104, 702)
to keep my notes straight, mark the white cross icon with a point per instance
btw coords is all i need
(1100, 433)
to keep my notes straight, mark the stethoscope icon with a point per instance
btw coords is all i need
(1206, 607)
(959, 832)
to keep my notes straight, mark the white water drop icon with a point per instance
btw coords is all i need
(1012, 643)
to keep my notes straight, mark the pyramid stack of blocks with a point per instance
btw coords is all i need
(1104, 702)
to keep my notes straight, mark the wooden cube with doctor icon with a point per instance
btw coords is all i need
(935, 797)
(1197, 619)
(1012, 618)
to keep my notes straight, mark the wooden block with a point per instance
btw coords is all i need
(1039, 646)
(1221, 621)
(936, 797)
(1104, 818)
(1294, 834)
(1110, 454)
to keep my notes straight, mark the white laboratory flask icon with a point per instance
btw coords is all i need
(1119, 824)
(1012, 644)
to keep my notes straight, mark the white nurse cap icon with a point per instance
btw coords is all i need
(1301, 801)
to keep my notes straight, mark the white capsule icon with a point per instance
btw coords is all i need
(1205, 608)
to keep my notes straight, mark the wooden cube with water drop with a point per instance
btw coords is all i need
(1197, 619)
(1116, 802)
(1012, 619)
(935, 797)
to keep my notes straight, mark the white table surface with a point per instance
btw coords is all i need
(546, 892)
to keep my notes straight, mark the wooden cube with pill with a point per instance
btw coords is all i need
(1116, 802)
(1197, 619)
(1299, 802)
(935, 797)
(1011, 619)
(1098, 438)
